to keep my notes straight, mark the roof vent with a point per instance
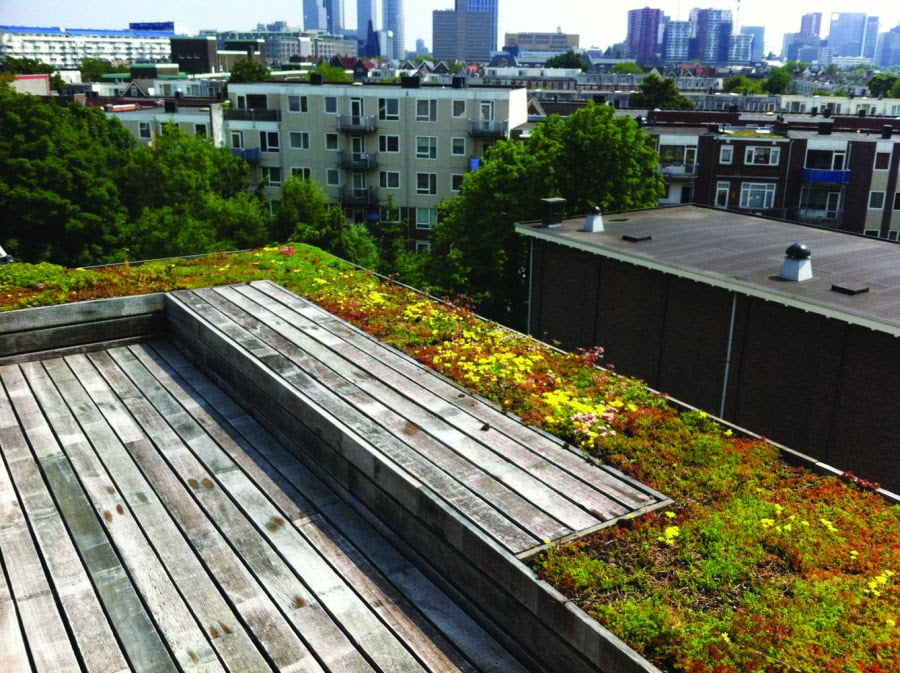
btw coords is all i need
(593, 223)
(850, 289)
(553, 211)
(825, 128)
(637, 238)
(316, 78)
(797, 265)
(887, 131)
(4, 257)
(410, 82)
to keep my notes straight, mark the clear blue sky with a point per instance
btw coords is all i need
(597, 23)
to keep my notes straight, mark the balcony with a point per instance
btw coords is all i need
(358, 162)
(679, 170)
(487, 128)
(822, 175)
(244, 115)
(359, 196)
(250, 156)
(357, 124)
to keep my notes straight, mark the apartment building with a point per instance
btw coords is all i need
(369, 145)
(146, 122)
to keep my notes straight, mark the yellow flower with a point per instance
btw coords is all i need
(767, 523)
(890, 622)
(725, 638)
(671, 514)
(728, 432)
(320, 281)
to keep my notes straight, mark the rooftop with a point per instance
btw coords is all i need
(744, 253)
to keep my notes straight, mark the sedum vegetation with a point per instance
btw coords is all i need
(758, 567)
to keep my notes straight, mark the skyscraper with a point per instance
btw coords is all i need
(645, 33)
(710, 34)
(870, 37)
(314, 16)
(811, 24)
(467, 33)
(677, 42)
(366, 11)
(334, 10)
(393, 21)
(845, 35)
(757, 51)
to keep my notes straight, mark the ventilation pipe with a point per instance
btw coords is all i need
(593, 223)
(553, 211)
(797, 265)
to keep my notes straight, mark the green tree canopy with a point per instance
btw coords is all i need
(570, 59)
(248, 71)
(778, 81)
(742, 84)
(31, 66)
(882, 83)
(659, 93)
(59, 195)
(895, 90)
(627, 68)
(93, 69)
(590, 158)
(332, 73)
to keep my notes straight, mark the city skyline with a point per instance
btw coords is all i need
(597, 28)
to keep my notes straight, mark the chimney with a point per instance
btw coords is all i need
(410, 82)
(797, 265)
(825, 128)
(887, 131)
(316, 78)
(593, 223)
(458, 82)
(553, 211)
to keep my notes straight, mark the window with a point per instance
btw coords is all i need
(332, 177)
(426, 110)
(725, 154)
(764, 156)
(426, 183)
(298, 104)
(389, 179)
(456, 180)
(875, 233)
(301, 172)
(757, 195)
(897, 202)
(272, 175)
(426, 218)
(268, 141)
(144, 130)
(330, 105)
(423, 246)
(825, 159)
(331, 142)
(876, 200)
(893, 235)
(388, 143)
(458, 147)
(722, 189)
(200, 130)
(459, 108)
(426, 147)
(299, 140)
(882, 161)
(237, 139)
(389, 109)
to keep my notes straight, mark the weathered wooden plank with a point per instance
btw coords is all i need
(302, 607)
(70, 350)
(537, 443)
(143, 646)
(85, 311)
(36, 340)
(233, 644)
(331, 408)
(14, 653)
(267, 461)
(335, 595)
(84, 614)
(522, 498)
(76, 421)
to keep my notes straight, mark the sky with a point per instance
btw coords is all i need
(597, 24)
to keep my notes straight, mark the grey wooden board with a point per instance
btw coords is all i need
(337, 597)
(525, 499)
(91, 630)
(14, 653)
(81, 312)
(142, 644)
(71, 350)
(474, 506)
(511, 435)
(76, 421)
(399, 582)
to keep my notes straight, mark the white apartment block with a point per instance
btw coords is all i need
(368, 144)
(65, 48)
(146, 123)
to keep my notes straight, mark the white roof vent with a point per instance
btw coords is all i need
(797, 265)
(593, 223)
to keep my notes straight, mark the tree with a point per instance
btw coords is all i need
(778, 81)
(590, 158)
(659, 93)
(568, 60)
(30, 66)
(59, 195)
(895, 91)
(882, 83)
(332, 73)
(93, 69)
(741, 84)
(627, 68)
(247, 70)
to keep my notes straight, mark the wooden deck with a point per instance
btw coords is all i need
(147, 523)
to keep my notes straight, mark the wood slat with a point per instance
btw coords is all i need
(14, 653)
(81, 312)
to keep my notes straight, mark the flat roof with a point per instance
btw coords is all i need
(743, 253)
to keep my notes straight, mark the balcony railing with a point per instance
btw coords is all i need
(822, 175)
(487, 128)
(358, 162)
(359, 196)
(357, 124)
(243, 115)
(679, 170)
(250, 156)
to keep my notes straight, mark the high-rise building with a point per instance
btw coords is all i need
(645, 33)
(758, 48)
(846, 33)
(795, 43)
(557, 41)
(314, 17)
(811, 24)
(334, 11)
(677, 42)
(887, 54)
(466, 33)
(393, 21)
(870, 37)
(366, 11)
(443, 34)
(740, 48)
(710, 34)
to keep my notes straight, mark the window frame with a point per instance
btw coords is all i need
(430, 115)
(769, 190)
(872, 193)
(337, 142)
(426, 223)
(142, 126)
(887, 163)
(330, 172)
(465, 146)
(304, 172)
(384, 143)
(265, 144)
(453, 180)
(430, 150)
(330, 101)
(267, 170)
(431, 188)
(730, 152)
(302, 103)
(239, 134)
(384, 179)
(384, 112)
(453, 104)
(722, 186)
(303, 136)
(750, 152)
